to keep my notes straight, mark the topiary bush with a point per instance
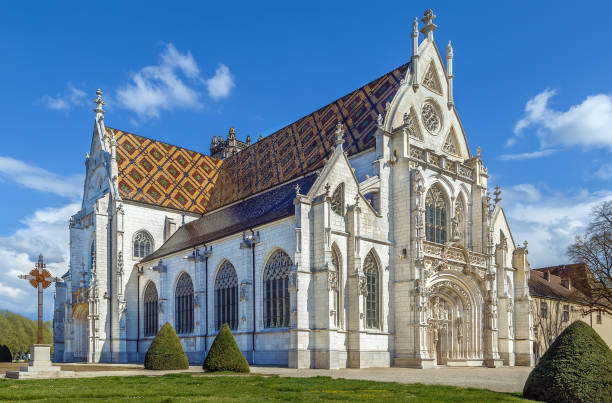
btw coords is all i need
(577, 367)
(5, 354)
(166, 351)
(225, 355)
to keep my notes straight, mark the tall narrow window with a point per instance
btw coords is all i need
(226, 297)
(371, 272)
(598, 318)
(183, 305)
(435, 211)
(143, 244)
(336, 285)
(276, 290)
(566, 313)
(150, 310)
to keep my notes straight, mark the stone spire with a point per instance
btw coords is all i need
(449, 73)
(429, 27)
(99, 102)
(415, 53)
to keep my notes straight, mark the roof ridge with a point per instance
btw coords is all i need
(165, 142)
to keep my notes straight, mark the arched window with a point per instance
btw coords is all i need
(276, 290)
(143, 244)
(150, 310)
(371, 272)
(336, 285)
(435, 215)
(226, 296)
(183, 305)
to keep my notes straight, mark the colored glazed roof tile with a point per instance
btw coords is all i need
(158, 173)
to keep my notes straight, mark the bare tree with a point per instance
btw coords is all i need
(594, 249)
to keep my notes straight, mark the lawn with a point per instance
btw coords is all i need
(188, 387)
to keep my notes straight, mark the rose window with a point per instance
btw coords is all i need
(430, 117)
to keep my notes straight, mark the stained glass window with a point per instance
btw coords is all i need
(143, 244)
(150, 310)
(226, 297)
(435, 216)
(337, 200)
(276, 290)
(371, 272)
(183, 305)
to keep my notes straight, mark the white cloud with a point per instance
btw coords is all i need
(171, 84)
(74, 97)
(528, 155)
(40, 179)
(548, 221)
(46, 232)
(586, 125)
(220, 85)
(604, 172)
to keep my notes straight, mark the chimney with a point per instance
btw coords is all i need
(547, 275)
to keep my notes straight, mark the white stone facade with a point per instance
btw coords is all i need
(461, 302)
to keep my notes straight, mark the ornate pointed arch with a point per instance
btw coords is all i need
(335, 284)
(451, 144)
(151, 309)
(431, 80)
(436, 215)
(371, 271)
(226, 296)
(411, 122)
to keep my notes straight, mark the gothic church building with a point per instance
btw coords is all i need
(362, 235)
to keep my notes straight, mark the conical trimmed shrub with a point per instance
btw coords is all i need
(576, 368)
(225, 355)
(166, 351)
(5, 354)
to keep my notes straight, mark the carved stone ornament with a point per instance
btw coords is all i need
(430, 118)
(412, 125)
(332, 280)
(293, 282)
(337, 200)
(363, 286)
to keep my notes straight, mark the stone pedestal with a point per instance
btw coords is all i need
(40, 365)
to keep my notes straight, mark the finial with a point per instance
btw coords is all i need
(248, 140)
(497, 194)
(327, 187)
(488, 199)
(449, 50)
(406, 118)
(99, 102)
(478, 149)
(231, 134)
(260, 138)
(379, 120)
(525, 244)
(339, 134)
(220, 139)
(357, 200)
(429, 27)
(214, 141)
(297, 189)
(415, 27)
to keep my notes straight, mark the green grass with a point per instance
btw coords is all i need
(189, 388)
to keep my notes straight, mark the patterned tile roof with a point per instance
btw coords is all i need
(303, 146)
(162, 174)
(159, 173)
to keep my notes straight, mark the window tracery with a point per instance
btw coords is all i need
(336, 285)
(150, 310)
(450, 144)
(143, 244)
(431, 120)
(183, 304)
(371, 273)
(276, 290)
(431, 81)
(412, 125)
(337, 200)
(435, 215)
(226, 296)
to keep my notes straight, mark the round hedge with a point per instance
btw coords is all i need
(166, 351)
(5, 354)
(225, 355)
(577, 367)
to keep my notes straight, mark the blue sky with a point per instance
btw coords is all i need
(532, 88)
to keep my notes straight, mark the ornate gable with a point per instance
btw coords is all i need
(450, 144)
(412, 124)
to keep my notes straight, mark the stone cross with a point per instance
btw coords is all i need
(40, 278)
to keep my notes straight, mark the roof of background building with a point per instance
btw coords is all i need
(161, 174)
(271, 205)
(552, 287)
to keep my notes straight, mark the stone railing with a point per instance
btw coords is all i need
(454, 254)
(442, 163)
